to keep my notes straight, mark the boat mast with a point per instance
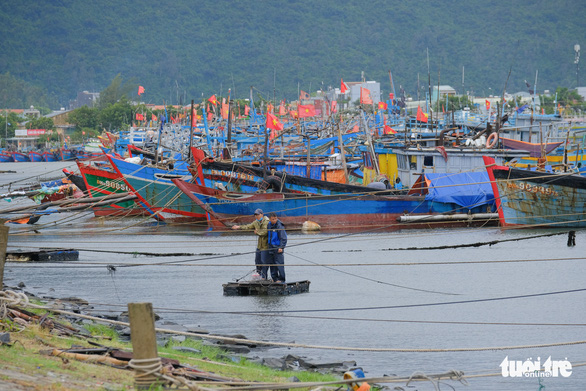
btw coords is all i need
(227, 150)
(429, 88)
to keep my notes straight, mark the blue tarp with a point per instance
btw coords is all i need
(467, 189)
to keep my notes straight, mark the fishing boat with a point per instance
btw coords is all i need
(534, 149)
(101, 182)
(50, 156)
(35, 156)
(66, 154)
(538, 198)
(20, 157)
(6, 157)
(339, 211)
(155, 191)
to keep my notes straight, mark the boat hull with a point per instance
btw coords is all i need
(99, 183)
(6, 158)
(538, 199)
(20, 157)
(157, 194)
(360, 212)
(35, 156)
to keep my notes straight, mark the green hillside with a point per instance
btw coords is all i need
(179, 50)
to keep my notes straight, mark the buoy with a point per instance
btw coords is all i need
(309, 226)
(491, 141)
(356, 374)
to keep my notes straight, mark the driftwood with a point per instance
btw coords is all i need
(93, 358)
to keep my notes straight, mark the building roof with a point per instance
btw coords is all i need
(57, 113)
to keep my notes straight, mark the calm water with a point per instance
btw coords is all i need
(355, 278)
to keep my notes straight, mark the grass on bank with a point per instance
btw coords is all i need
(60, 374)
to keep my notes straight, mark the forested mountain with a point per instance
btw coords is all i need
(182, 49)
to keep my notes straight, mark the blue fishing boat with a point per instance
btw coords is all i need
(6, 157)
(35, 156)
(20, 157)
(50, 156)
(338, 211)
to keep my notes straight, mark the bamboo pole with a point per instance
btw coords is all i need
(3, 243)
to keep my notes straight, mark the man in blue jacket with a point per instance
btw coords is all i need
(277, 238)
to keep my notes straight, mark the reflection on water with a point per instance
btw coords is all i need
(270, 325)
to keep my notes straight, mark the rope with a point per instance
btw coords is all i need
(147, 368)
(373, 280)
(308, 346)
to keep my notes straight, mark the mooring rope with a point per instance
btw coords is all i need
(306, 346)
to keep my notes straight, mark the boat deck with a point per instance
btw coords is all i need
(265, 288)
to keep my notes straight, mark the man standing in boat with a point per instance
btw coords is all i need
(277, 238)
(259, 225)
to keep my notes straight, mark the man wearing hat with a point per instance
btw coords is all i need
(259, 225)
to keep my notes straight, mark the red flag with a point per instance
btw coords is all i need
(282, 110)
(303, 95)
(224, 110)
(212, 99)
(334, 106)
(153, 117)
(246, 110)
(365, 96)
(306, 111)
(421, 116)
(193, 118)
(210, 116)
(273, 122)
(139, 117)
(355, 129)
(391, 96)
(382, 105)
(343, 86)
(140, 90)
(293, 113)
(270, 108)
(389, 130)
(487, 105)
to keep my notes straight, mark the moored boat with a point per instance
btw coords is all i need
(35, 156)
(50, 156)
(338, 211)
(6, 157)
(538, 198)
(101, 182)
(20, 157)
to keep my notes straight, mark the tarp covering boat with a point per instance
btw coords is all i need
(467, 189)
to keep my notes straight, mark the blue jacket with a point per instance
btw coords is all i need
(277, 236)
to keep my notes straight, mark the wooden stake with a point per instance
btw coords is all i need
(3, 243)
(144, 341)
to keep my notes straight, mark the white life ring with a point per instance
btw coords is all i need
(491, 140)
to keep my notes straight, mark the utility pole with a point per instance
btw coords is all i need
(577, 62)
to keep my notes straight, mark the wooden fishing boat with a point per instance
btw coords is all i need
(534, 149)
(6, 157)
(339, 211)
(155, 191)
(35, 156)
(50, 156)
(538, 199)
(20, 157)
(101, 182)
